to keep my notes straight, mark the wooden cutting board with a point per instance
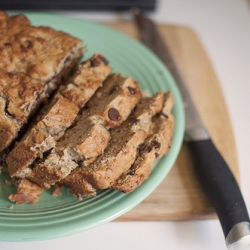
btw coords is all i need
(179, 196)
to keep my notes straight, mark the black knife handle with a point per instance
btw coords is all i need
(219, 184)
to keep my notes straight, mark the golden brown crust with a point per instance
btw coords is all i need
(36, 51)
(138, 173)
(27, 192)
(81, 187)
(22, 155)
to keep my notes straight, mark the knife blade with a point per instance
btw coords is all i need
(212, 171)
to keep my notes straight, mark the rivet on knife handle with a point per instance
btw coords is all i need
(212, 171)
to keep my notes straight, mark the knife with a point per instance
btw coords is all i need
(212, 171)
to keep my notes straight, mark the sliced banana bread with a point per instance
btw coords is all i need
(58, 115)
(89, 136)
(154, 147)
(121, 151)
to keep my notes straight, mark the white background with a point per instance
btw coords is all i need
(224, 29)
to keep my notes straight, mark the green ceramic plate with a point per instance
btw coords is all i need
(54, 217)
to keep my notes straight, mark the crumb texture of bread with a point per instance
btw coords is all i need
(9, 127)
(27, 192)
(88, 78)
(19, 95)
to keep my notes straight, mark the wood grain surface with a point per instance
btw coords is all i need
(179, 196)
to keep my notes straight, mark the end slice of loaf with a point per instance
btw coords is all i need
(33, 62)
(120, 153)
(60, 115)
(154, 147)
(89, 136)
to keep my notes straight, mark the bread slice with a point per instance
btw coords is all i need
(120, 153)
(154, 147)
(33, 62)
(59, 115)
(89, 136)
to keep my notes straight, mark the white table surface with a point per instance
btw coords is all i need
(224, 28)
